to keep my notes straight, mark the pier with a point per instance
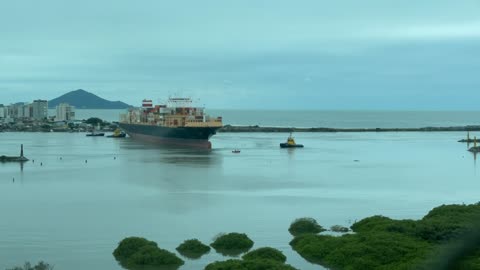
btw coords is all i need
(20, 158)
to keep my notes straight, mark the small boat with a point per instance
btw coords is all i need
(236, 151)
(290, 143)
(95, 134)
(118, 133)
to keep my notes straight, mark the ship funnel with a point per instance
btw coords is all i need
(147, 103)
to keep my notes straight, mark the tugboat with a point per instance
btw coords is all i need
(118, 133)
(290, 143)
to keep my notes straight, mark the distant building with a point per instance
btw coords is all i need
(39, 109)
(3, 113)
(16, 110)
(65, 112)
(27, 111)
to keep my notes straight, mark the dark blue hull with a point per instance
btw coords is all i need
(188, 136)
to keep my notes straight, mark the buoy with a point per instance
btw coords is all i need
(41, 164)
(85, 161)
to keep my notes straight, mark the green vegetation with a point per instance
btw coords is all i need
(447, 238)
(305, 226)
(133, 252)
(129, 246)
(232, 244)
(265, 253)
(154, 256)
(362, 251)
(27, 266)
(94, 121)
(383, 243)
(193, 249)
(249, 265)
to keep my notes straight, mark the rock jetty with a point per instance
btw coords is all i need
(230, 128)
(20, 158)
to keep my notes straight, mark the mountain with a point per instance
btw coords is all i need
(82, 99)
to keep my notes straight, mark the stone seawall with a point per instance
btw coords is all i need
(229, 128)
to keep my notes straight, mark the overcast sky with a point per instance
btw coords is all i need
(271, 54)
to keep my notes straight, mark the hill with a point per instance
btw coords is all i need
(82, 99)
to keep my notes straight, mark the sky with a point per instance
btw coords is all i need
(248, 54)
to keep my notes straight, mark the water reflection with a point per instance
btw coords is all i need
(291, 153)
(190, 157)
(20, 164)
(474, 163)
(125, 265)
(154, 153)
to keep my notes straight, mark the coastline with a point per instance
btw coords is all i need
(260, 129)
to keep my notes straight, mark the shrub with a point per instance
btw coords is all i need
(265, 253)
(94, 121)
(136, 251)
(128, 246)
(154, 256)
(193, 249)
(249, 265)
(40, 266)
(305, 225)
(383, 243)
(232, 244)
(447, 222)
(362, 251)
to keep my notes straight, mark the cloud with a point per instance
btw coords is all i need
(427, 32)
(246, 53)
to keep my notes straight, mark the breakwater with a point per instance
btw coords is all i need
(232, 129)
(229, 128)
(20, 158)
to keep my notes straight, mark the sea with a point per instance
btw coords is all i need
(333, 119)
(79, 196)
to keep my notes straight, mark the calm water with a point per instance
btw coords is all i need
(72, 214)
(334, 119)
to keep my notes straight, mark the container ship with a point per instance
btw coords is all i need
(177, 122)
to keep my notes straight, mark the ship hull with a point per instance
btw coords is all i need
(181, 136)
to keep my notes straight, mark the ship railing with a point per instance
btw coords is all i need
(203, 124)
